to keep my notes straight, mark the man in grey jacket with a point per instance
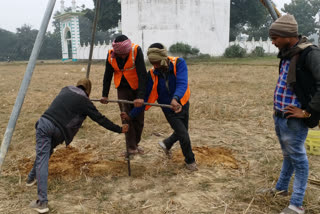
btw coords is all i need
(60, 122)
(296, 106)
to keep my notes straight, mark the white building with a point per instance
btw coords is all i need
(203, 24)
(69, 31)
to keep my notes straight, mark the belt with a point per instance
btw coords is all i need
(280, 114)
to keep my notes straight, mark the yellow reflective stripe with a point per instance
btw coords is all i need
(133, 61)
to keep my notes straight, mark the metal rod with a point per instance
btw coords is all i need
(271, 9)
(131, 102)
(93, 35)
(122, 109)
(26, 81)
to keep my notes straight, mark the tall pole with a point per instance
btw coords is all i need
(272, 11)
(25, 82)
(94, 27)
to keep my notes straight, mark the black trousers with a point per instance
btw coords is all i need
(133, 136)
(179, 123)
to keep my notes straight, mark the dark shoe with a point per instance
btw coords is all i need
(273, 191)
(192, 166)
(40, 207)
(30, 182)
(292, 209)
(166, 151)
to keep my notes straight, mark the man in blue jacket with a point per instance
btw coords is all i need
(60, 122)
(168, 84)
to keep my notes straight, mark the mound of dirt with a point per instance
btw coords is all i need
(69, 162)
(211, 157)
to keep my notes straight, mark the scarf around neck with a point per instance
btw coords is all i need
(293, 55)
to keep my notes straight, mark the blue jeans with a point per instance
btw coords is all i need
(48, 136)
(292, 134)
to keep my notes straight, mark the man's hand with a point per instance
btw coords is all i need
(294, 112)
(138, 102)
(125, 116)
(125, 128)
(175, 106)
(104, 100)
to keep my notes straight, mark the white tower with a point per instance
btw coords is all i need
(69, 31)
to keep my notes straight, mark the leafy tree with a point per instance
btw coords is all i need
(7, 40)
(304, 11)
(247, 16)
(51, 48)
(25, 40)
(109, 14)
(184, 49)
(235, 51)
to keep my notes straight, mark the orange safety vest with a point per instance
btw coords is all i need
(154, 92)
(129, 70)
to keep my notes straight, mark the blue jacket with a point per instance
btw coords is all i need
(169, 86)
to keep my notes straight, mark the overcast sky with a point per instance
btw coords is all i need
(15, 13)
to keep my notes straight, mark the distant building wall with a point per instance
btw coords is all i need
(251, 45)
(203, 24)
(100, 51)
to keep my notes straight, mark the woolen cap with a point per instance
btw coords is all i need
(86, 84)
(285, 26)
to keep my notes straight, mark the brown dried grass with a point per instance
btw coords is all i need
(230, 127)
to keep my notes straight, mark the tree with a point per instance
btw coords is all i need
(304, 11)
(184, 49)
(26, 37)
(51, 48)
(247, 16)
(7, 40)
(109, 14)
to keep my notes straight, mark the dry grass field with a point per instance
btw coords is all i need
(232, 135)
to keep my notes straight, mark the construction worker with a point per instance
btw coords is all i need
(60, 122)
(126, 63)
(296, 106)
(168, 84)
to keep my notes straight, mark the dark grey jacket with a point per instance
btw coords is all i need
(70, 108)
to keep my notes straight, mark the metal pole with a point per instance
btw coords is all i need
(93, 35)
(131, 102)
(271, 9)
(127, 156)
(26, 81)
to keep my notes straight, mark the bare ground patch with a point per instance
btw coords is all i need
(230, 127)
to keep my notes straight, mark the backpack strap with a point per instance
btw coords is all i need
(302, 57)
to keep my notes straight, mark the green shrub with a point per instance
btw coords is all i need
(183, 49)
(258, 52)
(235, 51)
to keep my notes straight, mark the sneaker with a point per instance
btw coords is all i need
(166, 151)
(30, 182)
(40, 207)
(292, 209)
(192, 166)
(273, 191)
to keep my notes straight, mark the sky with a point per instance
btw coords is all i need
(15, 13)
